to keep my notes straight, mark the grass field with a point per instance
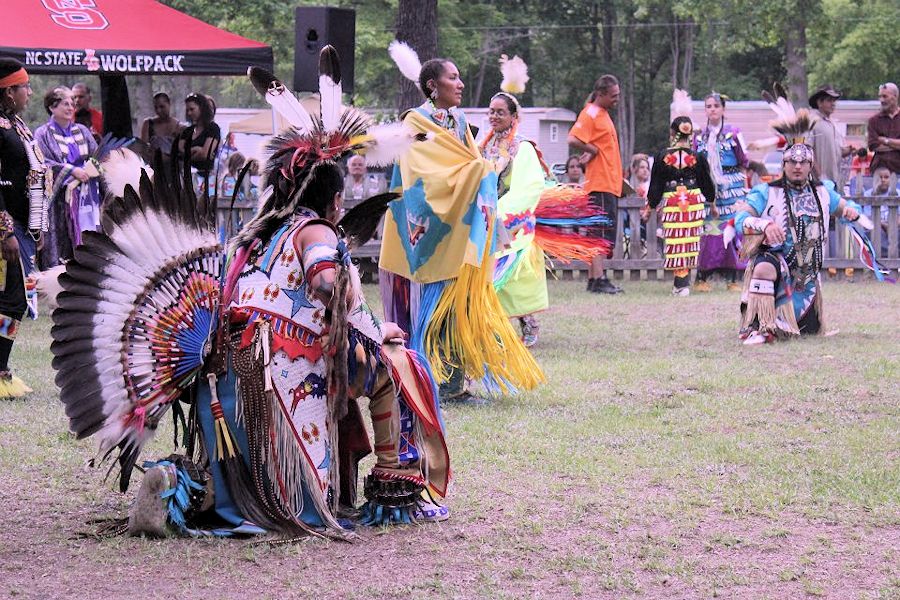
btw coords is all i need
(662, 460)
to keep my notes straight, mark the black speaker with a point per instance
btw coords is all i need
(314, 28)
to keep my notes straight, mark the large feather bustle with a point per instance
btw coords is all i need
(406, 60)
(681, 105)
(123, 167)
(280, 98)
(113, 343)
(515, 74)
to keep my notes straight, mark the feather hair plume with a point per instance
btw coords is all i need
(48, 286)
(779, 103)
(123, 167)
(515, 74)
(330, 88)
(681, 105)
(406, 59)
(280, 98)
(795, 129)
(793, 125)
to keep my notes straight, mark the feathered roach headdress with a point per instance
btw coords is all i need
(314, 144)
(793, 125)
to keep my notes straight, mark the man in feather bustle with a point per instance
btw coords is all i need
(24, 185)
(275, 373)
(785, 227)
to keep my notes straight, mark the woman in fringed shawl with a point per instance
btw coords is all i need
(520, 276)
(438, 244)
(722, 145)
(75, 206)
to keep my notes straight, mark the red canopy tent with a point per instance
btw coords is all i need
(112, 38)
(122, 37)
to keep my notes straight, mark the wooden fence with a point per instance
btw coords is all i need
(633, 260)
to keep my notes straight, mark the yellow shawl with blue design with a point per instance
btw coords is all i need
(440, 233)
(441, 221)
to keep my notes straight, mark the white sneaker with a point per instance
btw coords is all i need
(685, 291)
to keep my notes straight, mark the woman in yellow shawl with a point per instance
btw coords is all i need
(438, 244)
(520, 276)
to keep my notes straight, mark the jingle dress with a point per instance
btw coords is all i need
(723, 148)
(680, 180)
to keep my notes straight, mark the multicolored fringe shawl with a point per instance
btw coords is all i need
(569, 226)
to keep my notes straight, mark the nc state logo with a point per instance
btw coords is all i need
(76, 14)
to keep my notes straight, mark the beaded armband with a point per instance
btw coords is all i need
(317, 258)
(7, 228)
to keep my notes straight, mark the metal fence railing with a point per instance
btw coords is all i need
(640, 257)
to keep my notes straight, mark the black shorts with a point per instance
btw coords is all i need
(609, 203)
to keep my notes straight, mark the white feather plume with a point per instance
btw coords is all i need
(407, 60)
(388, 143)
(780, 105)
(286, 104)
(330, 98)
(783, 108)
(123, 167)
(681, 105)
(515, 74)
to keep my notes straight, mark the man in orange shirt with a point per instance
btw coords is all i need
(594, 135)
